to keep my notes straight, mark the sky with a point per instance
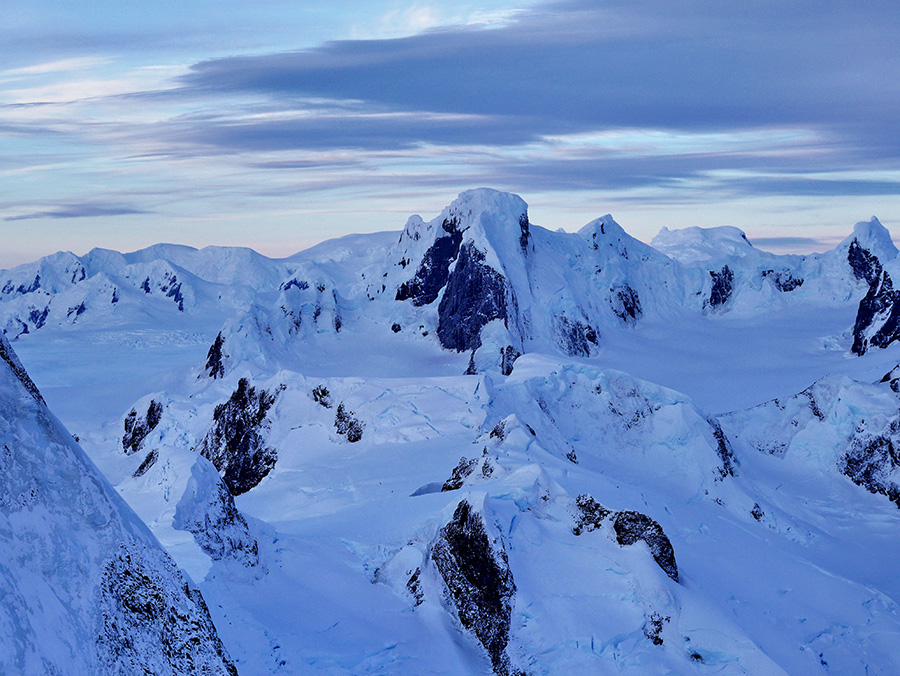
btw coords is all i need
(278, 124)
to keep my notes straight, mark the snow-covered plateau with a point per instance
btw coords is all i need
(474, 446)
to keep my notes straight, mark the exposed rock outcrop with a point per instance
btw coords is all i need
(215, 358)
(138, 427)
(235, 443)
(347, 424)
(479, 582)
(722, 287)
(153, 622)
(434, 270)
(207, 511)
(873, 462)
(475, 295)
(632, 527)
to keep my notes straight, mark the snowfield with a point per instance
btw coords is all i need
(471, 447)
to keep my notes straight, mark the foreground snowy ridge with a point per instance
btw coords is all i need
(86, 589)
(464, 448)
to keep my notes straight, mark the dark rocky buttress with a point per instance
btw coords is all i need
(632, 527)
(722, 286)
(152, 621)
(872, 461)
(475, 295)
(625, 303)
(574, 337)
(215, 358)
(235, 443)
(723, 450)
(434, 270)
(207, 511)
(881, 301)
(138, 427)
(12, 360)
(865, 265)
(479, 582)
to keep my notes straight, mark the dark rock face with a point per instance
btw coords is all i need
(475, 295)
(508, 356)
(464, 468)
(154, 623)
(209, 514)
(864, 264)
(479, 582)
(8, 356)
(625, 303)
(215, 365)
(347, 425)
(138, 427)
(634, 526)
(872, 462)
(723, 450)
(783, 280)
(322, 396)
(757, 512)
(653, 627)
(574, 337)
(880, 300)
(21, 289)
(524, 233)
(235, 444)
(722, 286)
(76, 311)
(434, 270)
(173, 291)
(892, 378)
(589, 514)
(38, 317)
(146, 463)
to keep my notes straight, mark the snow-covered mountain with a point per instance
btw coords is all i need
(86, 588)
(478, 446)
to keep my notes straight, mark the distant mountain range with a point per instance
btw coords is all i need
(473, 446)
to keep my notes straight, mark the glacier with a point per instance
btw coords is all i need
(479, 446)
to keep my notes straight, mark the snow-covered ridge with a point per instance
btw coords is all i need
(478, 446)
(86, 588)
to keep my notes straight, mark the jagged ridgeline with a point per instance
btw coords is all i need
(482, 279)
(420, 452)
(86, 589)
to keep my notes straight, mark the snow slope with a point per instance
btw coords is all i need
(478, 446)
(86, 589)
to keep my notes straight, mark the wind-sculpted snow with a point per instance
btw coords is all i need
(206, 510)
(86, 588)
(618, 421)
(838, 426)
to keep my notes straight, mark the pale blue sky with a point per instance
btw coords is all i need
(278, 124)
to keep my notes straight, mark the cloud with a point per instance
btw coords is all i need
(575, 67)
(78, 211)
